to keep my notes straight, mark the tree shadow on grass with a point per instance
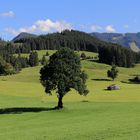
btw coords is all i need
(130, 82)
(93, 60)
(19, 110)
(101, 79)
(134, 75)
(85, 101)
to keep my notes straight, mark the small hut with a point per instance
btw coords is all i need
(113, 87)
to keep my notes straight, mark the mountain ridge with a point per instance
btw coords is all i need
(23, 35)
(130, 40)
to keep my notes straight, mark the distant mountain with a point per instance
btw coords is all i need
(131, 40)
(23, 35)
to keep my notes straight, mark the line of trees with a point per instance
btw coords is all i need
(11, 64)
(118, 55)
(76, 40)
(72, 39)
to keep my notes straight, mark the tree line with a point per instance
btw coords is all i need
(118, 55)
(76, 40)
(11, 63)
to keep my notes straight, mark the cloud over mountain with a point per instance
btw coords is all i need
(42, 26)
(110, 29)
(107, 28)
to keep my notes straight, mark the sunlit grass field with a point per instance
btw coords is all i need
(101, 115)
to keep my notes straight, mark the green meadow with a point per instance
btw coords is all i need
(26, 110)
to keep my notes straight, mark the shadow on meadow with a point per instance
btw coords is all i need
(19, 110)
(92, 60)
(130, 82)
(101, 79)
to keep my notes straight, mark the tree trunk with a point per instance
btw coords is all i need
(60, 103)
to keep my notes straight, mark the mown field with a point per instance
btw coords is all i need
(26, 111)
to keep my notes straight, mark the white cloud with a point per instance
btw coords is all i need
(42, 26)
(8, 14)
(95, 28)
(49, 25)
(25, 29)
(110, 29)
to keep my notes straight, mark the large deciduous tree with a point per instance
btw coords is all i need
(62, 73)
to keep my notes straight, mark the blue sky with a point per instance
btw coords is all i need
(45, 16)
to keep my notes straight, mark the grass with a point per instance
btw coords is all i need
(43, 52)
(102, 115)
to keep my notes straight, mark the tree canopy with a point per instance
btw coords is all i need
(33, 59)
(113, 73)
(62, 73)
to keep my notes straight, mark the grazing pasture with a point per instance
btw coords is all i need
(26, 112)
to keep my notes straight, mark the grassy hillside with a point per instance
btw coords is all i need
(43, 52)
(107, 115)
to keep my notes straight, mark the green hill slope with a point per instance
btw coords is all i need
(102, 114)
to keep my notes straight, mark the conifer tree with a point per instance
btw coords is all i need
(33, 59)
(113, 73)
